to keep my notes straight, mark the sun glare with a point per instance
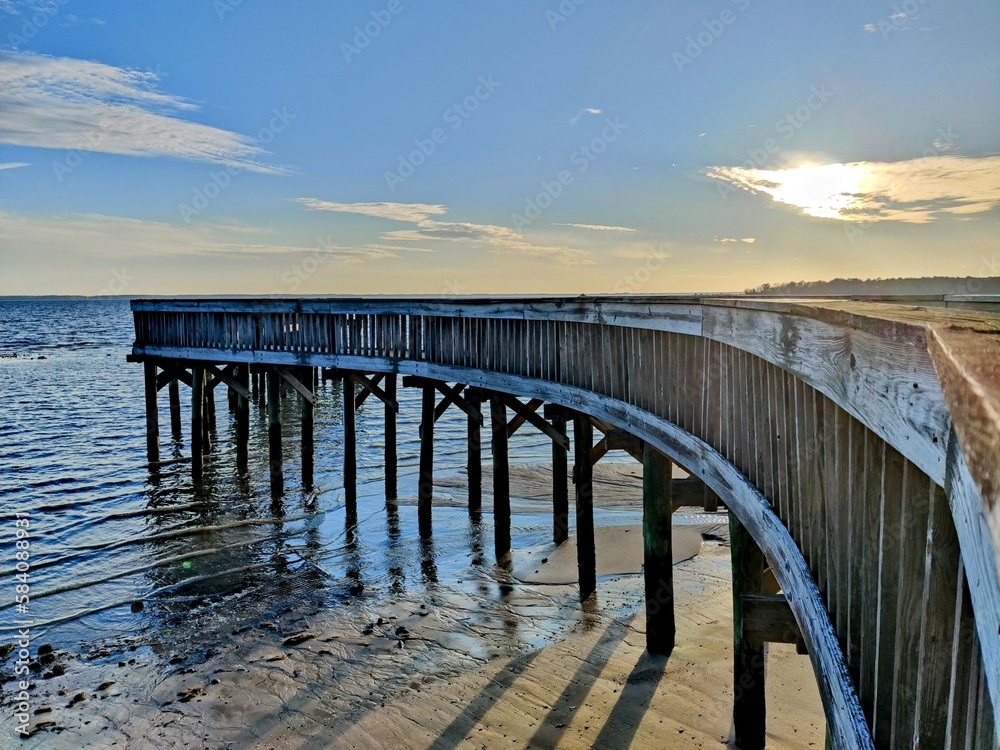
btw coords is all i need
(826, 191)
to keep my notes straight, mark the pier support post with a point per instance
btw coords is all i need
(197, 419)
(390, 440)
(350, 442)
(210, 403)
(560, 482)
(274, 432)
(254, 386)
(152, 413)
(749, 711)
(583, 475)
(501, 477)
(474, 459)
(425, 482)
(174, 390)
(242, 420)
(658, 565)
(309, 381)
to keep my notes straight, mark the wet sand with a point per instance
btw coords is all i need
(498, 658)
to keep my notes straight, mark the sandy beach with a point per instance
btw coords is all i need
(501, 658)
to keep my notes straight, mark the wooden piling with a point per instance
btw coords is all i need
(309, 381)
(560, 484)
(425, 482)
(583, 476)
(242, 421)
(175, 409)
(501, 477)
(274, 432)
(658, 567)
(152, 413)
(749, 711)
(474, 460)
(350, 442)
(390, 440)
(197, 417)
(210, 405)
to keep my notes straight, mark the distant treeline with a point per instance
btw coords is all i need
(929, 285)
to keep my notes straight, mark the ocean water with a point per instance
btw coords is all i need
(108, 531)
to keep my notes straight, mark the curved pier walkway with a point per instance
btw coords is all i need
(855, 442)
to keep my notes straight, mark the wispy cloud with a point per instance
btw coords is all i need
(65, 103)
(596, 227)
(102, 235)
(496, 238)
(409, 212)
(585, 111)
(14, 165)
(915, 191)
(731, 240)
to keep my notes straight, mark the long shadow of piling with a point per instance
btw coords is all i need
(549, 733)
(634, 700)
(476, 709)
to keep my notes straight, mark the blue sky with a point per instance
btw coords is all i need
(583, 146)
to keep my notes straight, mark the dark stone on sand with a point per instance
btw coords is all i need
(47, 658)
(137, 606)
(356, 589)
(45, 648)
(78, 698)
(402, 631)
(43, 710)
(176, 660)
(105, 685)
(295, 640)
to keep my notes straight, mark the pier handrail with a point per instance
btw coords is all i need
(892, 390)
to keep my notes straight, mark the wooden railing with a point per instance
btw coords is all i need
(858, 441)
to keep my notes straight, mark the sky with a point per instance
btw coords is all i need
(528, 146)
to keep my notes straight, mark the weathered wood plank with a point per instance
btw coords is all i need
(583, 477)
(658, 562)
(749, 659)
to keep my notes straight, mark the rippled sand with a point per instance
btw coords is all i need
(441, 673)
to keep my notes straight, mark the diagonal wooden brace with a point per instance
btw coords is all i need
(226, 376)
(370, 387)
(529, 414)
(296, 384)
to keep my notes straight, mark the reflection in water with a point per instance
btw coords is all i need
(428, 568)
(113, 530)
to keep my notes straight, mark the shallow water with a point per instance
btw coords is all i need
(107, 530)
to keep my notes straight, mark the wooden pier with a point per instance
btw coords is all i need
(855, 442)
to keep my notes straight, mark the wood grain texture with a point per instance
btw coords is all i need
(810, 399)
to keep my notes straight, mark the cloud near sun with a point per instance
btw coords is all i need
(496, 238)
(64, 103)
(915, 191)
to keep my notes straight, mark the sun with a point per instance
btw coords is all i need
(826, 191)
